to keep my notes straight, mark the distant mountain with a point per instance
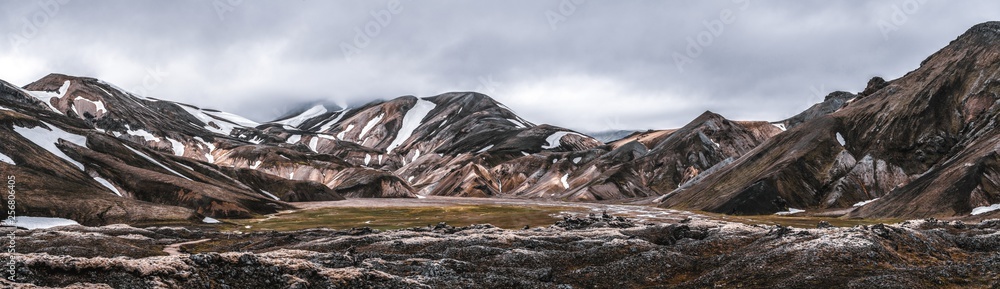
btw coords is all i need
(611, 135)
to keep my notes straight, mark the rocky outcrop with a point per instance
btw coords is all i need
(576, 253)
(923, 144)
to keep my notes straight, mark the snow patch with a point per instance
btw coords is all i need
(297, 120)
(208, 146)
(790, 212)
(862, 203)
(294, 139)
(413, 119)
(6, 159)
(108, 184)
(840, 139)
(148, 158)
(239, 120)
(517, 123)
(177, 146)
(780, 126)
(32, 223)
(415, 156)
(577, 160)
(313, 143)
(421, 197)
(371, 124)
(224, 120)
(344, 132)
(485, 149)
(333, 122)
(987, 209)
(145, 135)
(46, 96)
(270, 195)
(564, 181)
(555, 140)
(47, 139)
(210, 220)
(368, 159)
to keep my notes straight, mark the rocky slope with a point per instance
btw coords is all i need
(922, 145)
(575, 253)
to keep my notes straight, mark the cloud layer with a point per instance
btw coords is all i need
(587, 65)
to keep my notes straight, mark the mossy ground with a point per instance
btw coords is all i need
(388, 218)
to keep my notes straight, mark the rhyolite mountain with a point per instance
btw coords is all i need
(923, 145)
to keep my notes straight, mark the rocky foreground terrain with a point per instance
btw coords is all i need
(588, 252)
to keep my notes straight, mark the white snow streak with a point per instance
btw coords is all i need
(555, 140)
(270, 195)
(790, 212)
(413, 119)
(156, 162)
(177, 146)
(108, 184)
(344, 132)
(987, 209)
(46, 96)
(371, 124)
(485, 149)
(564, 181)
(297, 120)
(6, 159)
(47, 139)
(862, 203)
(32, 223)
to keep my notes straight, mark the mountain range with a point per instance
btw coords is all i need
(924, 145)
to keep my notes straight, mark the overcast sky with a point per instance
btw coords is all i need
(583, 64)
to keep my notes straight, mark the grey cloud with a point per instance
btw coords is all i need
(611, 62)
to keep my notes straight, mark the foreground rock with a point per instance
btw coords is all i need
(599, 254)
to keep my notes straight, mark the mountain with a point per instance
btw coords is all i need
(923, 145)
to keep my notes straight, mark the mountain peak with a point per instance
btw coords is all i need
(987, 31)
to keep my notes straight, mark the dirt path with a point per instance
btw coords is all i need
(175, 249)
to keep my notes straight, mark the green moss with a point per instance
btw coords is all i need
(387, 218)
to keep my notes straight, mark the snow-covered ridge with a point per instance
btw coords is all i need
(413, 119)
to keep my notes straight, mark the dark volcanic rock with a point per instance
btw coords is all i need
(696, 254)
